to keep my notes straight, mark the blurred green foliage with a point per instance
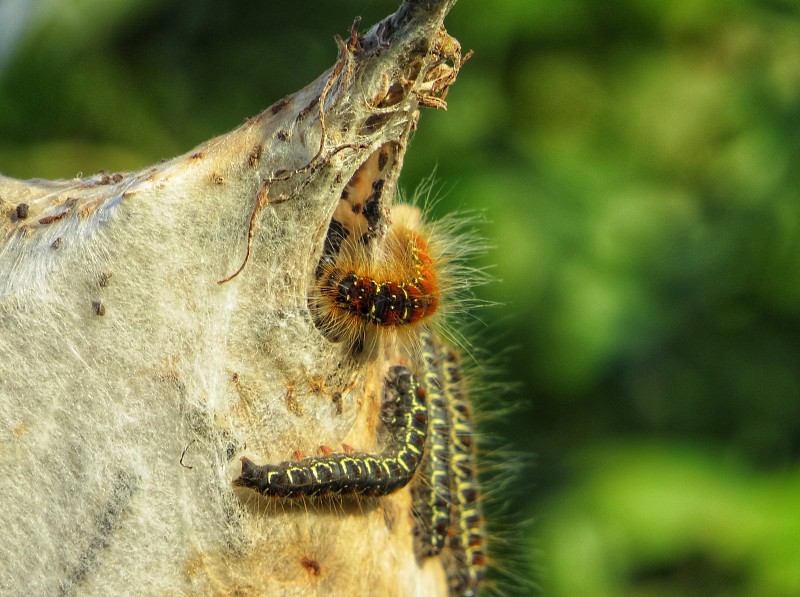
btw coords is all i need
(638, 163)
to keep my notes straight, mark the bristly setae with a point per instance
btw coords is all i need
(355, 474)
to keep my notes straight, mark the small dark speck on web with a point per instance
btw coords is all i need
(311, 565)
(99, 308)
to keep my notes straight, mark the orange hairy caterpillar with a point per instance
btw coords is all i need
(351, 473)
(431, 494)
(390, 273)
(388, 302)
(355, 295)
(467, 542)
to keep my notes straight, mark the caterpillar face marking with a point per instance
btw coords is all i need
(355, 474)
(467, 542)
(431, 496)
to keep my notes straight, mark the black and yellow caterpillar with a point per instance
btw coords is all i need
(355, 473)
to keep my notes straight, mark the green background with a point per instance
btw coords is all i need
(637, 161)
